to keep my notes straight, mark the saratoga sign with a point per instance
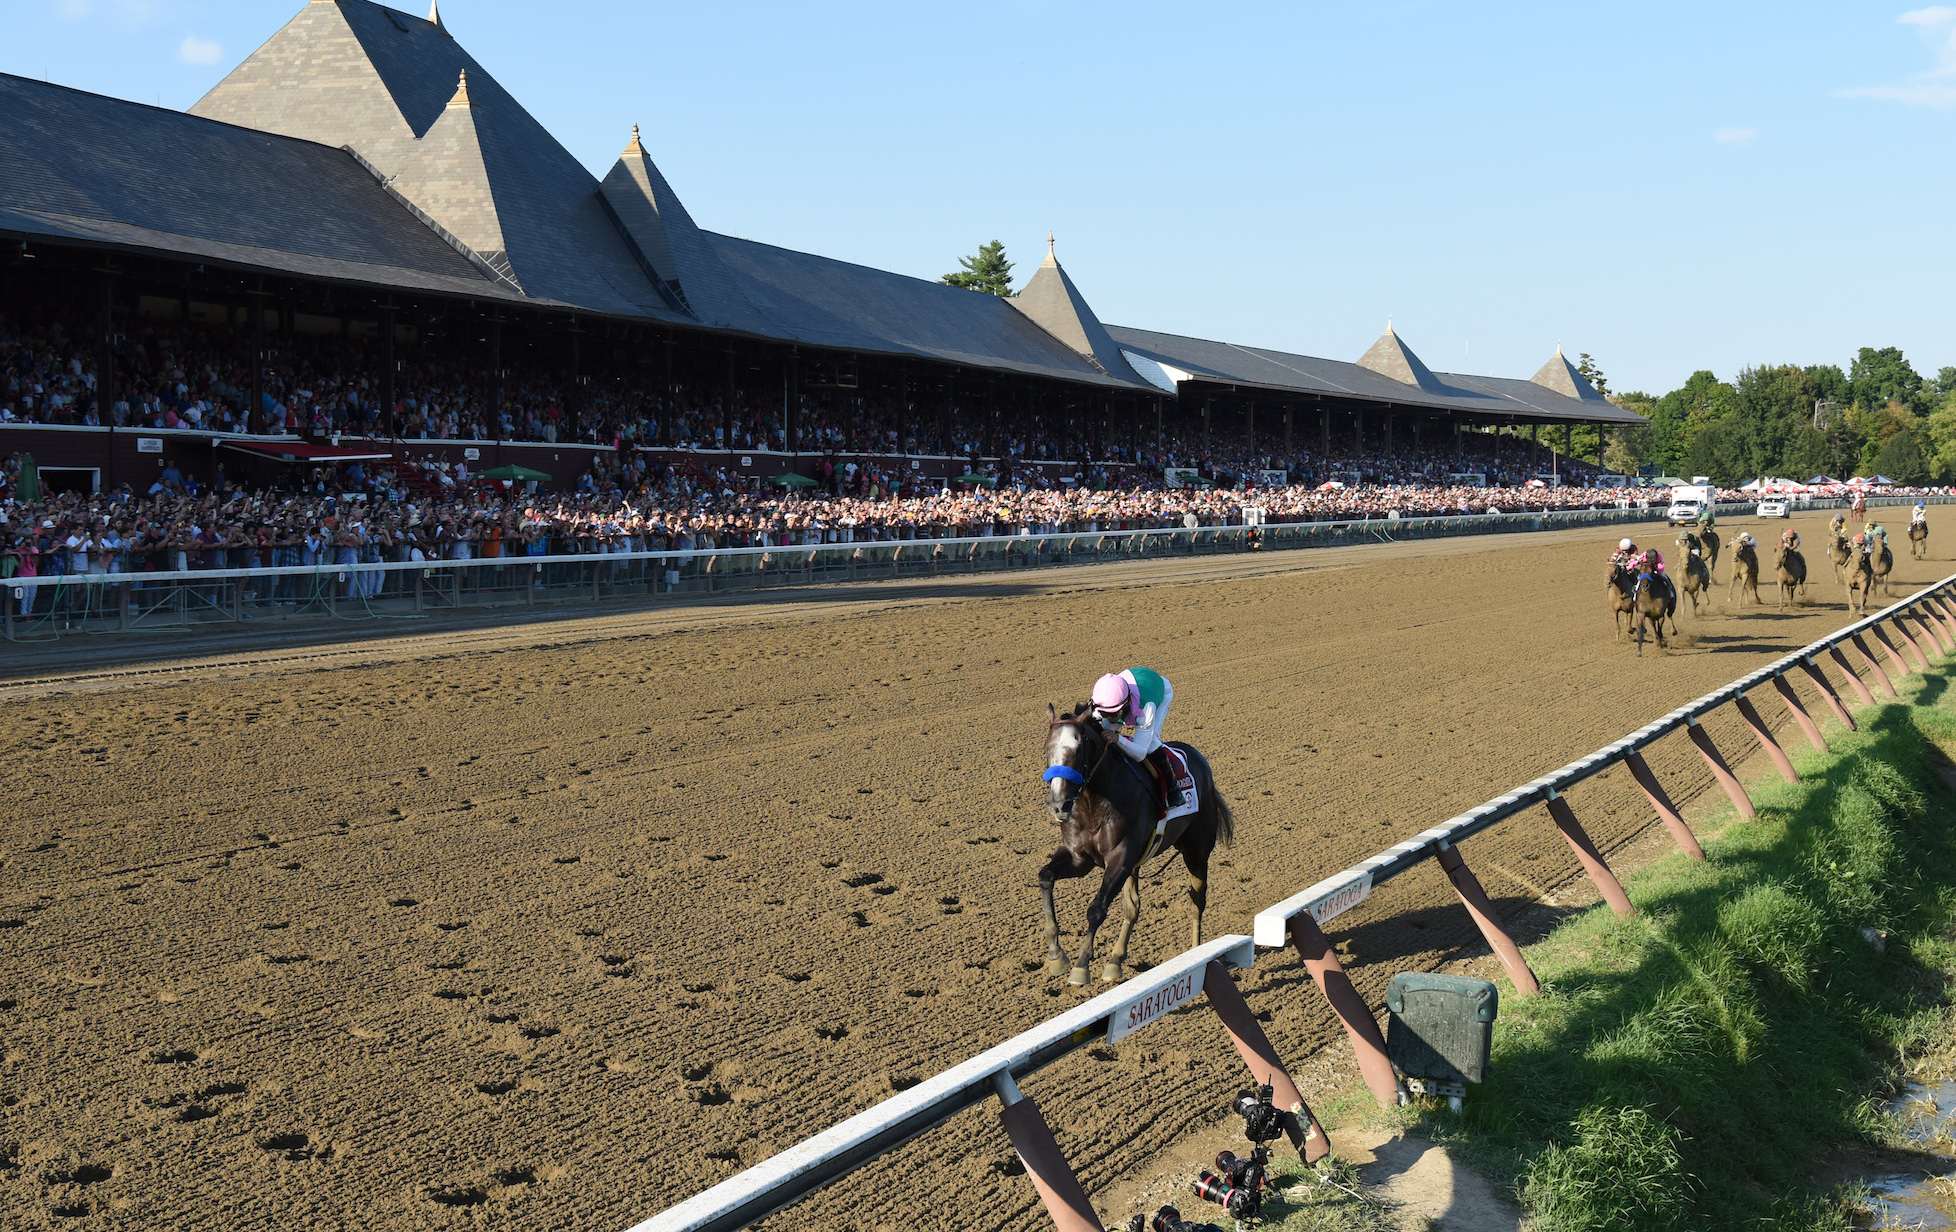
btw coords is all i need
(1333, 896)
(1151, 1006)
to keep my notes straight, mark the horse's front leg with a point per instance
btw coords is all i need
(1110, 971)
(1119, 870)
(1064, 865)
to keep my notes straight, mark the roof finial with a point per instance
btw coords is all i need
(1049, 247)
(634, 147)
(1558, 346)
(1388, 322)
(461, 98)
(434, 14)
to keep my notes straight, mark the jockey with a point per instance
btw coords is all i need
(1921, 513)
(1626, 555)
(1706, 517)
(1876, 530)
(1649, 563)
(1790, 538)
(1141, 697)
(1838, 525)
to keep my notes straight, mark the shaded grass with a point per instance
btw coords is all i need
(1684, 1068)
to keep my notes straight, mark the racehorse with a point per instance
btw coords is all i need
(1708, 539)
(1656, 599)
(1839, 553)
(1745, 573)
(1859, 579)
(1107, 810)
(1616, 592)
(1697, 575)
(1792, 570)
(1882, 562)
(1918, 540)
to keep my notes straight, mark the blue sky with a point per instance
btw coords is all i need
(1667, 186)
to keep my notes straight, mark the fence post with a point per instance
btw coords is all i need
(597, 580)
(1481, 909)
(1888, 647)
(1800, 714)
(1046, 1167)
(1764, 736)
(1661, 801)
(1363, 1029)
(1926, 613)
(1854, 681)
(1914, 648)
(1720, 771)
(1874, 665)
(420, 576)
(1587, 855)
(1826, 688)
(1940, 607)
(7, 606)
(1936, 637)
(1300, 1126)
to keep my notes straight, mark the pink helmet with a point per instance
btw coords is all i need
(1112, 694)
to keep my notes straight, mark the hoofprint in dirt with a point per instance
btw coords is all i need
(555, 930)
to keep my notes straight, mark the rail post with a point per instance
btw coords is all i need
(1929, 626)
(1888, 647)
(1854, 681)
(1661, 801)
(1879, 672)
(1764, 736)
(1913, 647)
(1300, 1124)
(1932, 618)
(1363, 1029)
(1046, 1166)
(1940, 606)
(1734, 790)
(1587, 855)
(1800, 715)
(1826, 688)
(1475, 899)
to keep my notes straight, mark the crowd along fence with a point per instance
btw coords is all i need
(49, 607)
(1886, 645)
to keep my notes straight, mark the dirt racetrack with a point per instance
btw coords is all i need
(548, 927)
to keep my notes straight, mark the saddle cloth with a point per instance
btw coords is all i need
(1183, 778)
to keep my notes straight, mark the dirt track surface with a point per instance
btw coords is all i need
(548, 927)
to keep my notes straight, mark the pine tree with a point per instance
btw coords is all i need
(988, 271)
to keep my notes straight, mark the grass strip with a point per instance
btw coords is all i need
(1686, 1068)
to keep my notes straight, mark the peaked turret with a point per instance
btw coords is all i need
(390, 87)
(1390, 357)
(1056, 306)
(1561, 376)
(678, 257)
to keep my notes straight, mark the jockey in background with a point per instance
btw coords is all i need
(1838, 525)
(1706, 517)
(1876, 530)
(1920, 514)
(1790, 538)
(1139, 697)
(1625, 556)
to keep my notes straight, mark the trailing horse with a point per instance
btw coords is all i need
(1656, 600)
(1883, 562)
(1839, 552)
(1109, 817)
(1859, 579)
(1696, 581)
(1918, 540)
(1708, 538)
(1792, 570)
(1616, 592)
(1745, 574)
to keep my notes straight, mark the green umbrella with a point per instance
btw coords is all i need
(29, 485)
(514, 472)
(792, 480)
(974, 477)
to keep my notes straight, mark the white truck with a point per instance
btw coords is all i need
(1688, 501)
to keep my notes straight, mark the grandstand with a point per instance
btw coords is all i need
(417, 264)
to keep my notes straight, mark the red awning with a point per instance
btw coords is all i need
(299, 451)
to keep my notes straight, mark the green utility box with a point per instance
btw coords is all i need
(1440, 1028)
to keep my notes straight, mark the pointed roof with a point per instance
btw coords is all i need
(1390, 357)
(676, 255)
(1561, 376)
(389, 87)
(434, 16)
(1053, 303)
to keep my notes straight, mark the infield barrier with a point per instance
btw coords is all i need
(1298, 922)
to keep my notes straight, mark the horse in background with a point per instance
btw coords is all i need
(1792, 570)
(1695, 581)
(1918, 540)
(1617, 591)
(1107, 809)
(1745, 573)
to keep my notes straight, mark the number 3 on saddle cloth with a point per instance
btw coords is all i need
(1172, 760)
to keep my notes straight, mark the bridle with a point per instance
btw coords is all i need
(1068, 773)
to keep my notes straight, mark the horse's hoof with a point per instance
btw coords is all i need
(1058, 966)
(1111, 973)
(1079, 977)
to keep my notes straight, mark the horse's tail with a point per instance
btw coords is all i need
(1225, 817)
